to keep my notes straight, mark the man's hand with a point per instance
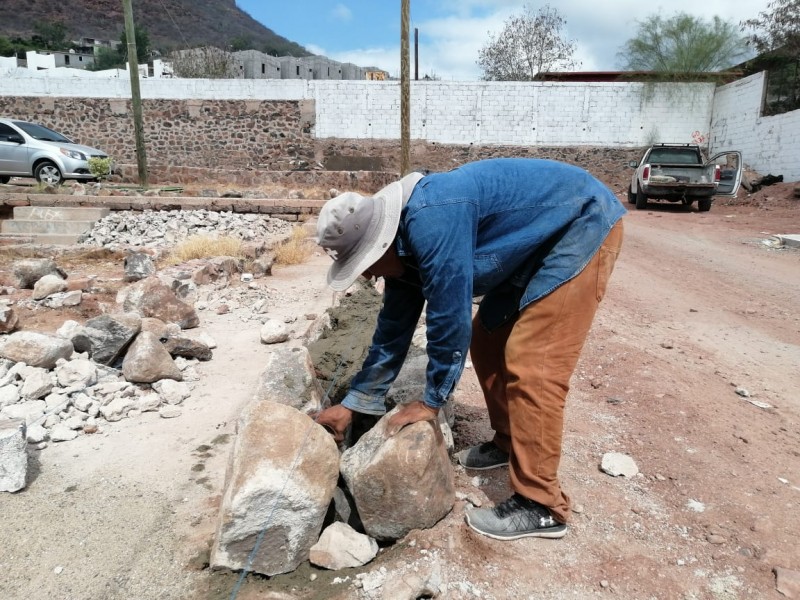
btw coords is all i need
(336, 420)
(412, 412)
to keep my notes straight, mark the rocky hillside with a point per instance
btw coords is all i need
(170, 24)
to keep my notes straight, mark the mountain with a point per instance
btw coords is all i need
(171, 24)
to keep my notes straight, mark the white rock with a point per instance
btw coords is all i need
(9, 394)
(62, 433)
(56, 402)
(148, 402)
(173, 392)
(170, 412)
(274, 332)
(13, 455)
(68, 329)
(616, 464)
(81, 372)
(37, 434)
(340, 547)
(82, 402)
(51, 421)
(72, 298)
(28, 411)
(74, 423)
(38, 384)
(117, 409)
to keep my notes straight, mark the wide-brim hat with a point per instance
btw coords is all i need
(355, 231)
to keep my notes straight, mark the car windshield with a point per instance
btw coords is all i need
(38, 132)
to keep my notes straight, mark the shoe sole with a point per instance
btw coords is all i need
(495, 466)
(550, 535)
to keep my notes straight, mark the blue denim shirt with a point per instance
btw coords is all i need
(511, 230)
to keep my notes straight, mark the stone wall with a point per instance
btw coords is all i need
(235, 134)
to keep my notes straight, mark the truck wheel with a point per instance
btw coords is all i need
(704, 204)
(4, 178)
(631, 196)
(641, 200)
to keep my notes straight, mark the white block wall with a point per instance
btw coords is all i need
(768, 144)
(538, 113)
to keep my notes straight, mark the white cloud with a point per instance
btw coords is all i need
(342, 13)
(449, 45)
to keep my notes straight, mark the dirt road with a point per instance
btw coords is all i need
(698, 307)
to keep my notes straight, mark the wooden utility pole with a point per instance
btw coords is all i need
(405, 90)
(136, 96)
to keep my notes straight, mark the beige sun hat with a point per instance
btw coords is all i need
(355, 231)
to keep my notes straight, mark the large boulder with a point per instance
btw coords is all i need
(147, 361)
(399, 483)
(35, 349)
(105, 338)
(28, 272)
(151, 298)
(288, 378)
(279, 484)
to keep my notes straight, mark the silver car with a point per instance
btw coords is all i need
(32, 150)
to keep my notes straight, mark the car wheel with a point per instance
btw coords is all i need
(4, 178)
(704, 204)
(49, 173)
(641, 200)
(631, 196)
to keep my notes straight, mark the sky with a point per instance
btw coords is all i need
(451, 32)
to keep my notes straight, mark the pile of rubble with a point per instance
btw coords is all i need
(156, 229)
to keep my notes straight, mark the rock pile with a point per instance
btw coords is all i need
(166, 228)
(115, 365)
(281, 485)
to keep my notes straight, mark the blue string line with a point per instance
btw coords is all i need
(251, 557)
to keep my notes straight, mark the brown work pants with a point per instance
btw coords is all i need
(524, 370)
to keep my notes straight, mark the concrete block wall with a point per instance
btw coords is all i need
(553, 114)
(768, 144)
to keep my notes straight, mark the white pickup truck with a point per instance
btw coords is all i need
(680, 173)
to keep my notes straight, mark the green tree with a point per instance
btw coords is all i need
(6, 47)
(142, 45)
(529, 43)
(776, 29)
(683, 44)
(775, 36)
(241, 42)
(53, 36)
(107, 58)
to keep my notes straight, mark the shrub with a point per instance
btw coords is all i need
(100, 167)
(203, 246)
(296, 249)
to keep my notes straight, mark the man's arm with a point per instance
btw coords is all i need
(397, 320)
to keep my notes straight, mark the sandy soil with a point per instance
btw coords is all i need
(698, 306)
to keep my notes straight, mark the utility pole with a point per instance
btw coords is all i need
(405, 90)
(136, 96)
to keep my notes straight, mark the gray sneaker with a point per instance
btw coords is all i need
(517, 517)
(483, 457)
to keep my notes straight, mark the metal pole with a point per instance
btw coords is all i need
(405, 91)
(136, 97)
(416, 54)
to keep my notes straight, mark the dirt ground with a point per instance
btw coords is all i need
(699, 305)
